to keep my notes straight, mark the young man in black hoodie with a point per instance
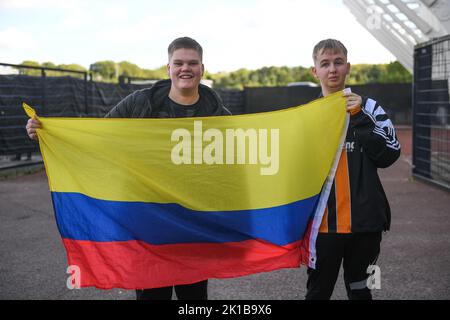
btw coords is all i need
(357, 209)
(180, 96)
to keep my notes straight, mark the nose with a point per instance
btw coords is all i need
(185, 67)
(332, 68)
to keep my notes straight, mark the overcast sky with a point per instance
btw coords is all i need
(233, 33)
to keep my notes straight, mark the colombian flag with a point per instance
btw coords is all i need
(131, 217)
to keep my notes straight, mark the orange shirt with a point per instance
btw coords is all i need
(337, 216)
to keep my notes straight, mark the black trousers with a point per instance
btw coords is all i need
(356, 251)
(193, 291)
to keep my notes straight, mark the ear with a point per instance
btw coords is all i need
(203, 69)
(348, 67)
(314, 72)
(168, 70)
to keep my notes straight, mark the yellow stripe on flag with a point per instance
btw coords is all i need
(130, 159)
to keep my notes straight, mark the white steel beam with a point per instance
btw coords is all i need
(402, 24)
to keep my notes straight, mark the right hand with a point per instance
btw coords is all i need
(32, 125)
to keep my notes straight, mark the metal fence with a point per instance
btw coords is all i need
(15, 88)
(431, 112)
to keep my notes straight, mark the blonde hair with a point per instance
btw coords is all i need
(329, 44)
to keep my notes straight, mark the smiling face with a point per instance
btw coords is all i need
(185, 69)
(331, 68)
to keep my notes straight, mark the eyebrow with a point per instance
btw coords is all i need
(328, 60)
(180, 60)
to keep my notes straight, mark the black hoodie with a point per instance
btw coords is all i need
(149, 103)
(357, 201)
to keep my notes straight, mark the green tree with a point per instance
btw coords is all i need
(50, 73)
(267, 76)
(303, 74)
(104, 70)
(72, 66)
(155, 74)
(129, 69)
(395, 72)
(48, 64)
(30, 72)
(379, 73)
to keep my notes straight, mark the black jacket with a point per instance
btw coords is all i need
(149, 103)
(357, 201)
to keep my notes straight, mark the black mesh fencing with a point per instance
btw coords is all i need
(52, 97)
(395, 98)
(431, 112)
(13, 139)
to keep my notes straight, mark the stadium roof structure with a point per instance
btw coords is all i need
(400, 25)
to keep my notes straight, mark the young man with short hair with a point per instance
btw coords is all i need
(357, 210)
(180, 96)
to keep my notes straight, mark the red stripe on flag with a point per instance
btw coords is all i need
(305, 244)
(139, 265)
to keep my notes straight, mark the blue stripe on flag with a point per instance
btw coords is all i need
(80, 217)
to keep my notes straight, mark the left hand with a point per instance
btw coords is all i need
(354, 103)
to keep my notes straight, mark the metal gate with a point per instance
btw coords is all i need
(431, 112)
